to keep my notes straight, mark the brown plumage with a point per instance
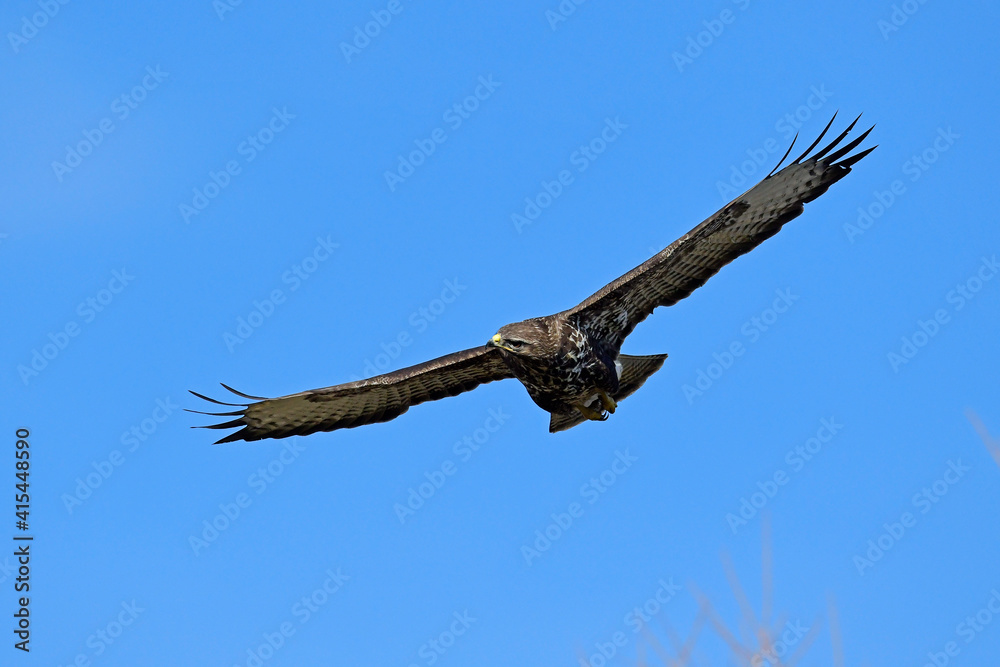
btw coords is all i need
(569, 362)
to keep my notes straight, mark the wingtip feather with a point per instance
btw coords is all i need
(790, 146)
(240, 393)
(212, 400)
(232, 437)
(818, 139)
(854, 159)
(841, 152)
(833, 144)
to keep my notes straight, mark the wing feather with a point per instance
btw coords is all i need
(376, 399)
(740, 226)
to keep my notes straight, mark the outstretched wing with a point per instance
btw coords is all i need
(687, 263)
(376, 399)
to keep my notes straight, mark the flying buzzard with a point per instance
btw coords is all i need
(569, 362)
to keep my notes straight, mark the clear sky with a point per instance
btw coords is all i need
(289, 197)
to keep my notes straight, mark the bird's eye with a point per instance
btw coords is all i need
(515, 343)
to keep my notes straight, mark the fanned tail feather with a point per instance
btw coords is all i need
(635, 372)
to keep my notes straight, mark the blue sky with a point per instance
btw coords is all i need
(266, 196)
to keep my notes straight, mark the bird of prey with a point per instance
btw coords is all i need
(569, 362)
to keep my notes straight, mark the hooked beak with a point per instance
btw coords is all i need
(496, 342)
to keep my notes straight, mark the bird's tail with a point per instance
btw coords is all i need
(635, 372)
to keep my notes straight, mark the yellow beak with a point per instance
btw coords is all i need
(497, 341)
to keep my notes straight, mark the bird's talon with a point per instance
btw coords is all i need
(591, 414)
(608, 402)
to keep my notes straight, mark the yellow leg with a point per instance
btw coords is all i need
(608, 402)
(591, 414)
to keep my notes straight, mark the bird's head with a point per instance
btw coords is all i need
(524, 339)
